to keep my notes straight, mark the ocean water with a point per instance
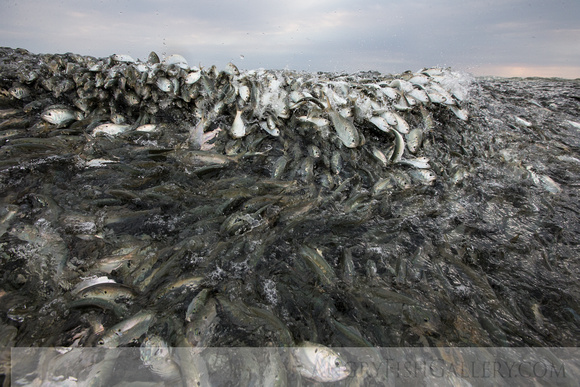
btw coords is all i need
(320, 234)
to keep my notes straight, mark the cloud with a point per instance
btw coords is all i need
(389, 36)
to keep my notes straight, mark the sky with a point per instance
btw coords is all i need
(483, 37)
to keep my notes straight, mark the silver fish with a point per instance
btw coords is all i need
(381, 123)
(177, 60)
(272, 131)
(319, 363)
(414, 140)
(419, 162)
(344, 127)
(399, 146)
(126, 331)
(423, 176)
(196, 304)
(123, 58)
(58, 115)
(460, 113)
(19, 91)
(238, 128)
(110, 129)
(316, 261)
(157, 356)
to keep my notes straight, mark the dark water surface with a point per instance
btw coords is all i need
(337, 247)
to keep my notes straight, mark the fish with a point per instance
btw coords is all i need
(153, 58)
(122, 58)
(19, 91)
(274, 373)
(318, 122)
(188, 282)
(344, 127)
(550, 185)
(200, 329)
(414, 140)
(192, 77)
(108, 291)
(423, 176)
(521, 122)
(238, 128)
(348, 272)
(244, 92)
(317, 263)
(460, 113)
(127, 330)
(201, 158)
(379, 156)
(7, 113)
(319, 363)
(192, 365)
(418, 162)
(573, 124)
(196, 304)
(399, 146)
(110, 130)
(273, 321)
(268, 129)
(119, 309)
(157, 356)
(165, 84)
(381, 123)
(177, 60)
(402, 126)
(90, 281)
(279, 167)
(58, 115)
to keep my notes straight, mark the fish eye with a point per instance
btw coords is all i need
(337, 363)
(101, 342)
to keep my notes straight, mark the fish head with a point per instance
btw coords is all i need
(334, 369)
(49, 116)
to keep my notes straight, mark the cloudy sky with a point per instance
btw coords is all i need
(483, 37)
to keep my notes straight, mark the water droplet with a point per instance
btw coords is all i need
(242, 57)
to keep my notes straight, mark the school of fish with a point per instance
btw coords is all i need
(171, 208)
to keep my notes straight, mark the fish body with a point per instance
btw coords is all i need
(165, 85)
(402, 125)
(344, 128)
(201, 158)
(110, 129)
(199, 330)
(419, 162)
(20, 92)
(414, 140)
(192, 77)
(238, 128)
(462, 114)
(317, 262)
(381, 123)
(196, 304)
(157, 356)
(272, 131)
(423, 176)
(123, 58)
(108, 291)
(58, 115)
(319, 363)
(399, 146)
(380, 156)
(176, 60)
(127, 330)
